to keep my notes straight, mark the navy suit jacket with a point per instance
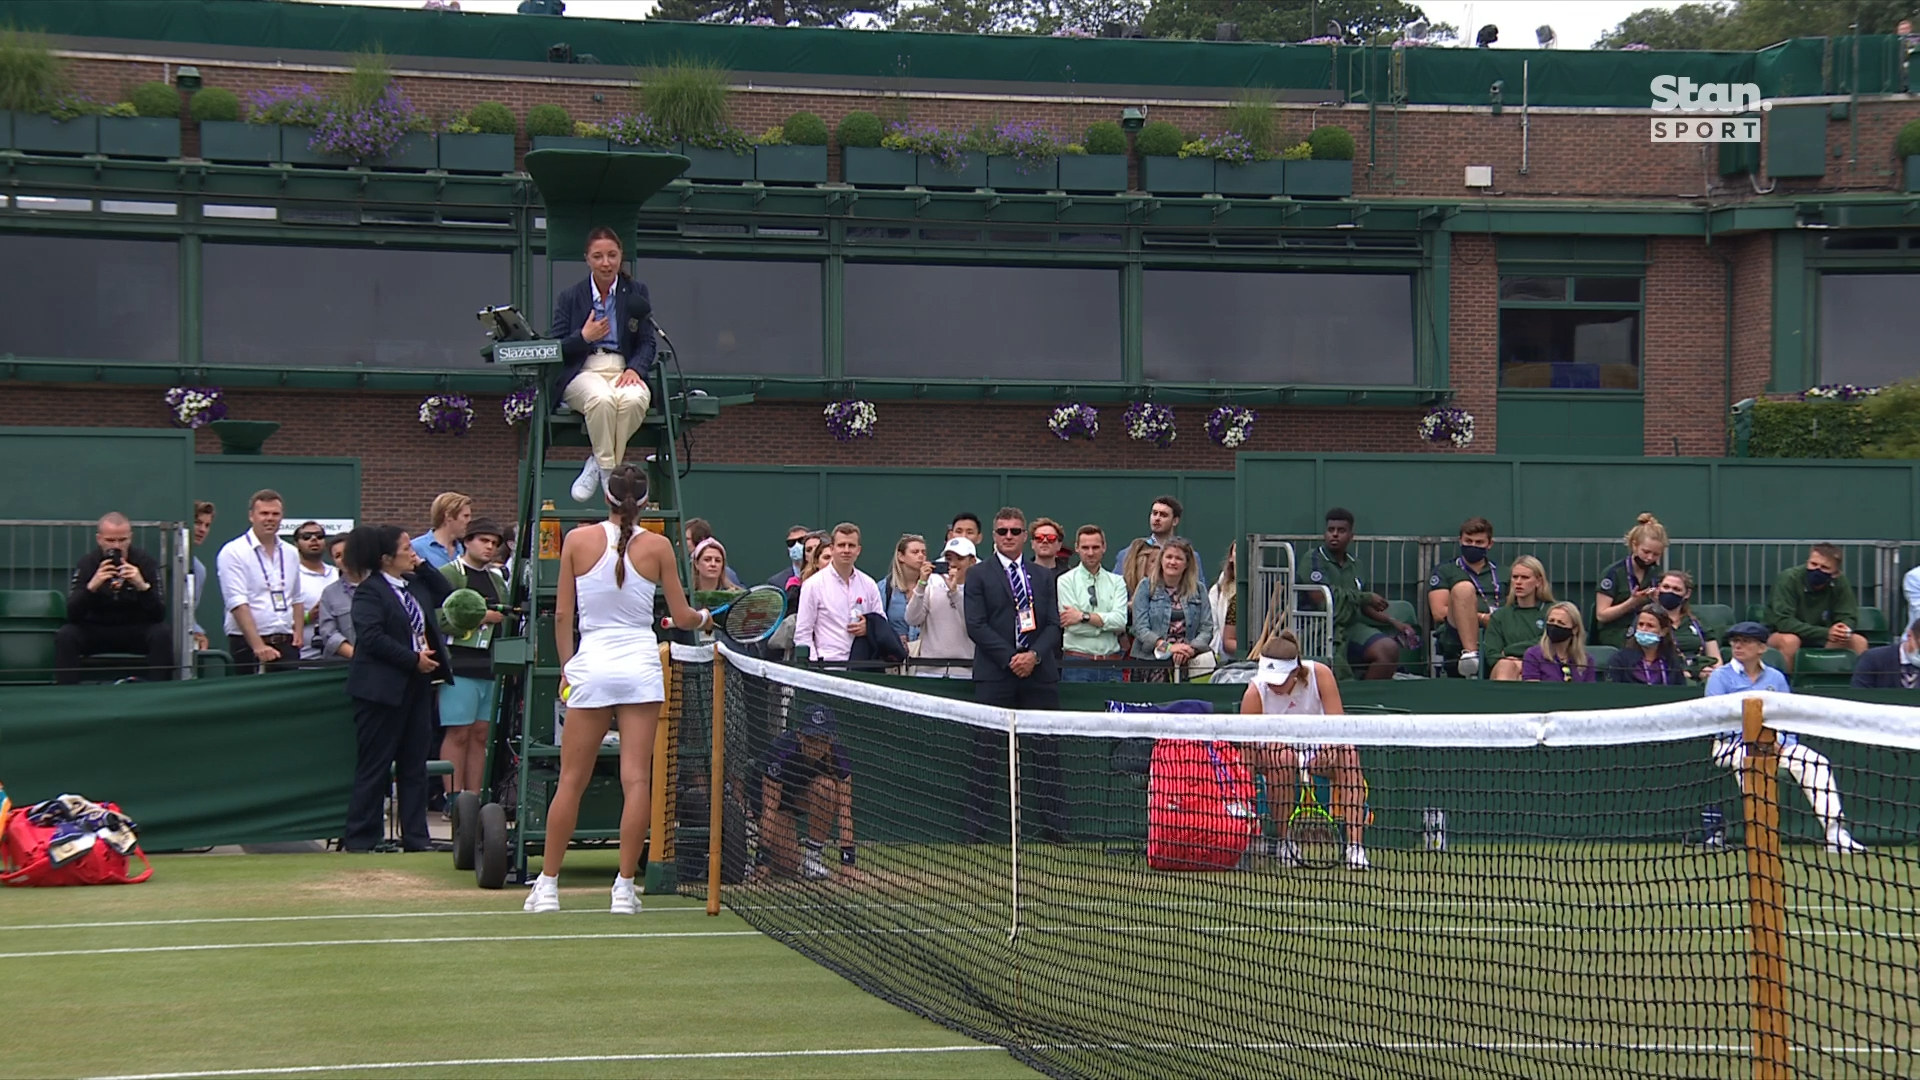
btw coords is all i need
(991, 622)
(1878, 668)
(384, 664)
(632, 308)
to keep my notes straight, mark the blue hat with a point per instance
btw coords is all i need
(817, 720)
(1748, 629)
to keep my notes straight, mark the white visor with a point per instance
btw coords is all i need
(1275, 671)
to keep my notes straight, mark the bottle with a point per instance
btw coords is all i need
(1434, 836)
(549, 531)
(1713, 827)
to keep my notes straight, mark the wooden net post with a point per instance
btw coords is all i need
(717, 786)
(660, 834)
(1766, 899)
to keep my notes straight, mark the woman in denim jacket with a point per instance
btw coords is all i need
(1172, 617)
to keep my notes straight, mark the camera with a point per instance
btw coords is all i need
(940, 566)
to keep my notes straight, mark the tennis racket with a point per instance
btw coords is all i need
(1319, 838)
(751, 616)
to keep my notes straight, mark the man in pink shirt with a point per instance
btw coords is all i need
(834, 603)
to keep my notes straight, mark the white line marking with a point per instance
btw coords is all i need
(719, 1055)
(318, 918)
(369, 941)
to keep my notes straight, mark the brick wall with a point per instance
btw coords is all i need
(1752, 315)
(1474, 336)
(1683, 374)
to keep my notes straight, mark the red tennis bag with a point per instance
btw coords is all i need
(63, 853)
(1200, 806)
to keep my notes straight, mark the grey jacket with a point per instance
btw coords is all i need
(333, 627)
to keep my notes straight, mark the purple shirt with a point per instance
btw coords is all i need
(1537, 666)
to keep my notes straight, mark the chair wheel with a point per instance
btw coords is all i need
(490, 854)
(466, 823)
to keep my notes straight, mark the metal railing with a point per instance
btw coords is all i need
(1275, 597)
(41, 555)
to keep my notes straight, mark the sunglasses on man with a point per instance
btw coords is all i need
(1009, 532)
(310, 536)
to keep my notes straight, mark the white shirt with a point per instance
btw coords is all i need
(827, 605)
(312, 584)
(1912, 586)
(249, 575)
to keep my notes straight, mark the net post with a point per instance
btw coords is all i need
(1766, 900)
(717, 786)
(657, 847)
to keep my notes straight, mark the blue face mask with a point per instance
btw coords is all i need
(795, 550)
(1647, 638)
(1817, 578)
(1473, 553)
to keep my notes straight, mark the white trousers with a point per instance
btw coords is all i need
(1808, 767)
(612, 413)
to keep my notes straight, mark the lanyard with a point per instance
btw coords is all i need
(1492, 570)
(280, 561)
(1634, 581)
(1647, 669)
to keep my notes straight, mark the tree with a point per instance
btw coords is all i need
(1689, 26)
(1016, 16)
(777, 12)
(1282, 20)
(1753, 24)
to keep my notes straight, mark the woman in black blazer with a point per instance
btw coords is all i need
(398, 657)
(607, 347)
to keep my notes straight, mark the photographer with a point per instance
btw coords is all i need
(114, 605)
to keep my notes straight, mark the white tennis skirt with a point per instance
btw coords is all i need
(615, 667)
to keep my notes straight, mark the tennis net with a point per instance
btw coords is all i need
(1156, 893)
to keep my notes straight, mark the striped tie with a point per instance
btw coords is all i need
(1017, 581)
(415, 617)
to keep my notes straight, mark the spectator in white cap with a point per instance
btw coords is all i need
(936, 607)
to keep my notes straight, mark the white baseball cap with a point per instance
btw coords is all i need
(960, 546)
(1275, 672)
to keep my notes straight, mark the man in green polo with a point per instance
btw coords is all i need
(1814, 607)
(1363, 632)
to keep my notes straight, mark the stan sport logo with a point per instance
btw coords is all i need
(1709, 112)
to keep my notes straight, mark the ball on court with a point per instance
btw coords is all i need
(466, 610)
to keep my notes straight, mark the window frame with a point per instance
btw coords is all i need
(1571, 277)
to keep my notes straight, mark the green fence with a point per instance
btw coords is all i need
(80, 473)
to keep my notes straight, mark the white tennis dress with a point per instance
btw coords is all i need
(619, 658)
(1304, 700)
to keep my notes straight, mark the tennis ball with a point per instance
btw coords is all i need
(466, 610)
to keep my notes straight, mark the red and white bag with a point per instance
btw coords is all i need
(1200, 806)
(69, 841)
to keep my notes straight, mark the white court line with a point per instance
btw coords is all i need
(718, 1055)
(225, 947)
(319, 918)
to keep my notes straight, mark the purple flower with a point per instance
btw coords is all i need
(302, 106)
(196, 406)
(1152, 423)
(449, 414)
(637, 129)
(1444, 424)
(1032, 143)
(1229, 425)
(851, 419)
(366, 134)
(1073, 421)
(519, 405)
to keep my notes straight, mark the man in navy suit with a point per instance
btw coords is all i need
(1891, 667)
(1014, 621)
(608, 348)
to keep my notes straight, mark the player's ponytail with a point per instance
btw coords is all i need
(625, 489)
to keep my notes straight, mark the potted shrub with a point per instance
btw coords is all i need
(1163, 170)
(1099, 165)
(224, 136)
(146, 125)
(793, 153)
(943, 159)
(550, 127)
(1906, 147)
(1328, 174)
(687, 99)
(863, 160)
(33, 82)
(724, 155)
(1023, 156)
(636, 132)
(479, 140)
(292, 112)
(1243, 160)
(70, 126)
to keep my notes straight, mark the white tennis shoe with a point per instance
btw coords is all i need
(1469, 662)
(1841, 842)
(1357, 858)
(1288, 853)
(812, 868)
(626, 901)
(544, 896)
(589, 480)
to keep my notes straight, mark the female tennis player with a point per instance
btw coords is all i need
(608, 572)
(1287, 685)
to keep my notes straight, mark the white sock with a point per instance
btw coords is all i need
(622, 878)
(550, 881)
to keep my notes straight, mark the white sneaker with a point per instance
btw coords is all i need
(1357, 858)
(1841, 842)
(544, 896)
(1469, 661)
(1288, 853)
(589, 480)
(812, 868)
(625, 900)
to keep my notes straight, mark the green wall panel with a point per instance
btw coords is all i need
(310, 487)
(1566, 424)
(1559, 500)
(1863, 500)
(1797, 141)
(80, 473)
(1417, 494)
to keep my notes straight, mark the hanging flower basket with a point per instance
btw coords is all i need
(447, 414)
(196, 406)
(851, 419)
(519, 405)
(1075, 421)
(1152, 423)
(1229, 425)
(1447, 425)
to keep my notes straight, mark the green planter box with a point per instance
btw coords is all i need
(475, 153)
(140, 137)
(1913, 173)
(643, 148)
(718, 165)
(1005, 174)
(38, 133)
(294, 149)
(1176, 175)
(1253, 178)
(566, 142)
(871, 166)
(1104, 174)
(414, 152)
(1320, 179)
(790, 164)
(969, 173)
(6, 130)
(239, 143)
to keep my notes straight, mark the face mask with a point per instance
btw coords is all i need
(1672, 600)
(1472, 552)
(1647, 638)
(1817, 578)
(1908, 657)
(1638, 561)
(1558, 634)
(795, 550)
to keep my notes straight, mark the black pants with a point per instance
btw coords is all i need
(75, 640)
(1049, 806)
(391, 738)
(243, 658)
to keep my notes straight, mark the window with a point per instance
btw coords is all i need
(275, 305)
(87, 298)
(1272, 328)
(911, 320)
(1570, 332)
(1865, 336)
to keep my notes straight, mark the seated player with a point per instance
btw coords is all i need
(1462, 593)
(1808, 767)
(807, 772)
(1286, 685)
(1813, 607)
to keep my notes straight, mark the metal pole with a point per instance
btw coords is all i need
(1766, 901)
(179, 571)
(717, 786)
(1526, 115)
